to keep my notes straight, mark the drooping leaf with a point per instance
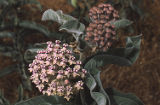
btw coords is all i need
(59, 36)
(30, 54)
(24, 2)
(136, 8)
(8, 70)
(7, 54)
(20, 93)
(73, 27)
(119, 98)
(3, 3)
(97, 96)
(8, 51)
(5, 48)
(45, 100)
(6, 34)
(56, 16)
(5, 26)
(120, 56)
(121, 23)
(96, 74)
(34, 26)
(40, 45)
(3, 100)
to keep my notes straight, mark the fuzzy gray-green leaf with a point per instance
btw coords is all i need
(3, 2)
(8, 70)
(119, 98)
(97, 96)
(34, 26)
(6, 34)
(23, 2)
(73, 27)
(121, 23)
(56, 16)
(30, 54)
(120, 56)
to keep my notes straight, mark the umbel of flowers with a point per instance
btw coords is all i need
(100, 32)
(55, 71)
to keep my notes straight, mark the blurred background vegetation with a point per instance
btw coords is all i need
(21, 27)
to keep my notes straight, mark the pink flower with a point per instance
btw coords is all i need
(54, 69)
(79, 85)
(59, 76)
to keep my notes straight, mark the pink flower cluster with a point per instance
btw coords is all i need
(100, 32)
(55, 71)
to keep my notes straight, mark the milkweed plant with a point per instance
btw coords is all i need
(65, 73)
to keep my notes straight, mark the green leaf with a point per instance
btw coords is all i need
(20, 93)
(24, 2)
(45, 100)
(96, 74)
(3, 2)
(34, 26)
(8, 51)
(97, 96)
(6, 34)
(118, 98)
(5, 48)
(74, 27)
(56, 16)
(121, 23)
(120, 56)
(59, 36)
(40, 45)
(74, 3)
(30, 54)
(8, 70)
(3, 100)
(135, 7)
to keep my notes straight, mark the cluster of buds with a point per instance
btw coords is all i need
(100, 32)
(103, 13)
(55, 71)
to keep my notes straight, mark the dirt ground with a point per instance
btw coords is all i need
(142, 79)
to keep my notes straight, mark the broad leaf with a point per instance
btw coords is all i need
(5, 26)
(20, 93)
(30, 54)
(96, 74)
(6, 34)
(45, 100)
(34, 26)
(24, 2)
(8, 70)
(4, 2)
(56, 16)
(59, 36)
(97, 96)
(3, 100)
(119, 98)
(40, 45)
(120, 56)
(5, 48)
(73, 27)
(121, 23)
(8, 51)
(136, 8)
